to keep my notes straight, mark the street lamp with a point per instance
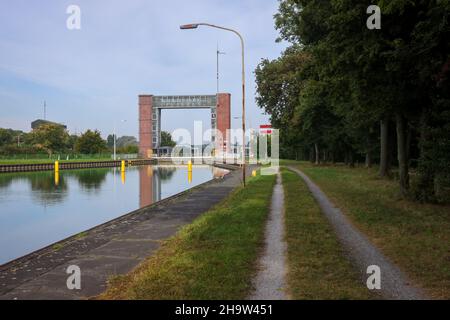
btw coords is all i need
(114, 134)
(195, 26)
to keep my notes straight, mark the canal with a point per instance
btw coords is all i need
(39, 208)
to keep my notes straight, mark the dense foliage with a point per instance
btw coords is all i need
(342, 92)
(51, 139)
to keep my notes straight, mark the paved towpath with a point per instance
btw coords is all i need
(111, 249)
(270, 282)
(394, 284)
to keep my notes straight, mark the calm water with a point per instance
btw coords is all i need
(37, 208)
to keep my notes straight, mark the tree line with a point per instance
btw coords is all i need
(55, 139)
(342, 92)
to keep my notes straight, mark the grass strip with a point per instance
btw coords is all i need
(49, 161)
(317, 265)
(213, 258)
(413, 235)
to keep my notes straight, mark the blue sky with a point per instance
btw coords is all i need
(91, 78)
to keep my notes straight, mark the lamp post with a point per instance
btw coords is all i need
(195, 26)
(114, 134)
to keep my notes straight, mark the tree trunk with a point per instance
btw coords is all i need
(316, 147)
(351, 161)
(333, 161)
(408, 142)
(402, 154)
(368, 151)
(423, 130)
(368, 160)
(384, 158)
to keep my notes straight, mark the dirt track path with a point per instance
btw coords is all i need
(270, 282)
(394, 284)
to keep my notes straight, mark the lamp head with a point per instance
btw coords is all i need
(189, 26)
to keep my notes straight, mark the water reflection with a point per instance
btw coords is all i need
(150, 183)
(39, 208)
(91, 180)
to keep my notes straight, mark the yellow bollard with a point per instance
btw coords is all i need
(123, 166)
(189, 176)
(254, 173)
(56, 166)
(122, 176)
(56, 178)
(190, 165)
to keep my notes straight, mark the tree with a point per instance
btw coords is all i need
(129, 149)
(110, 140)
(91, 142)
(49, 137)
(166, 139)
(72, 142)
(6, 137)
(126, 141)
(357, 82)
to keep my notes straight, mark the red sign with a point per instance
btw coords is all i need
(265, 129)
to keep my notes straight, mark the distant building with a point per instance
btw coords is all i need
(265, 129)
(37, 123)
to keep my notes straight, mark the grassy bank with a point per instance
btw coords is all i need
(318, 268)
(414, 236)
(41, 161)
(212, 258)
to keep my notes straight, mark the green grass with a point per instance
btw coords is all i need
(213, 258)
(40, 161)
(317, 265)
(414, 236)
(57, 246)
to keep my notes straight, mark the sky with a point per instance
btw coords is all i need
(91, 78)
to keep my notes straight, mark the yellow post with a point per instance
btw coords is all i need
(122, 176)
(254, 173)
(189, 176)
(123, 166)
(189, 166)
(56, 166)
(56, 178)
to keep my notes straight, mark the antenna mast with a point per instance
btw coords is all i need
(217, 60)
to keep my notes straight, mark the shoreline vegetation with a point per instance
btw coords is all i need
(50, 161)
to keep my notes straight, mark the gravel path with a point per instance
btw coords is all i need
(270, 281)
(394, 284)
